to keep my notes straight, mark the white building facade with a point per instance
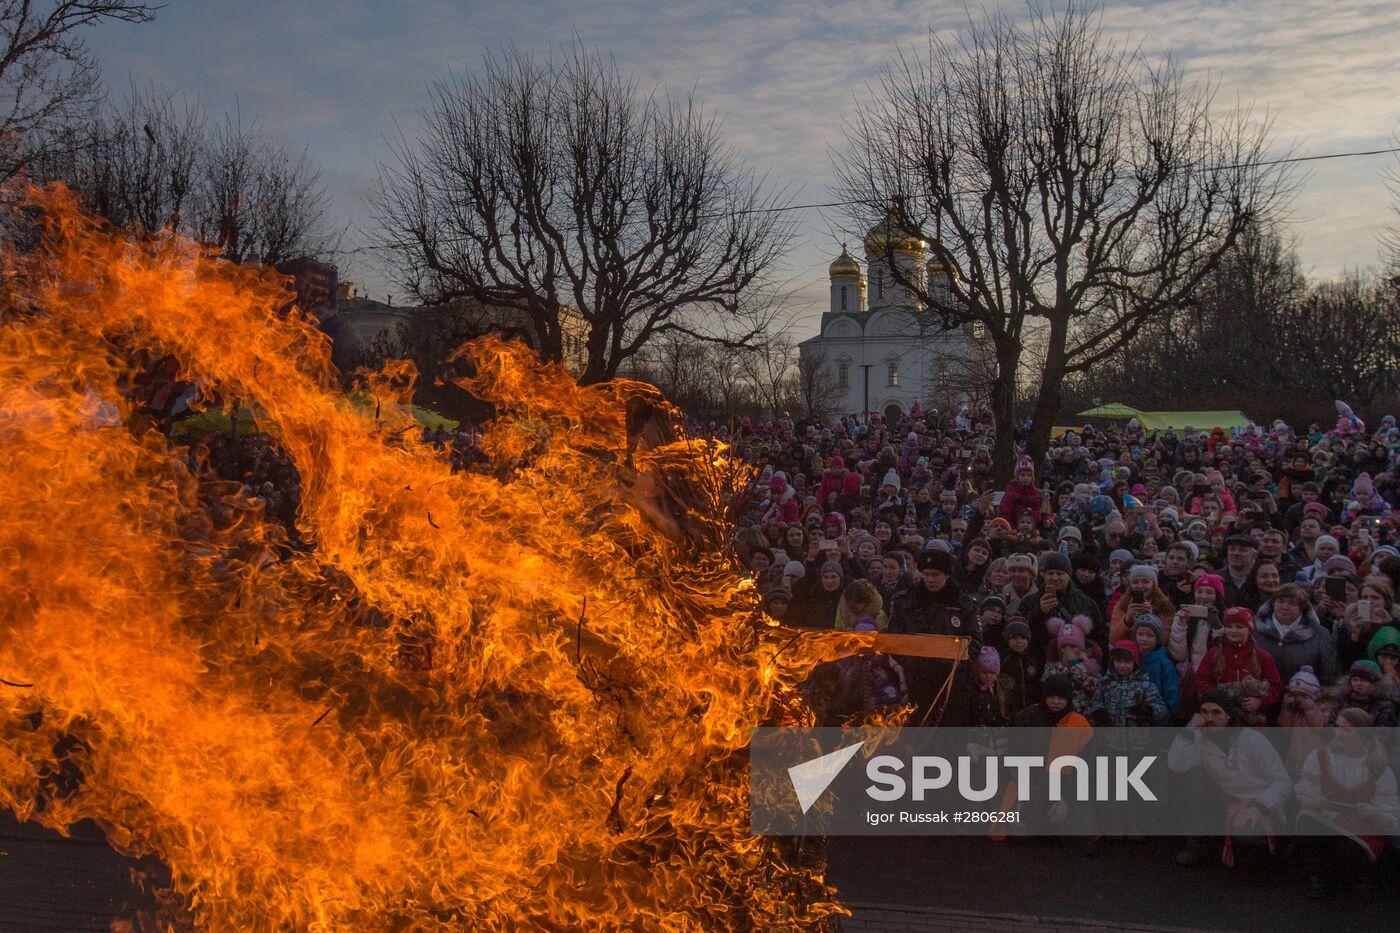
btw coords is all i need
(878, 354)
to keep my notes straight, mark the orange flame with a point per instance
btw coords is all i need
(549, 733)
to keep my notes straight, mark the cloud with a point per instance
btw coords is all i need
(334, 77)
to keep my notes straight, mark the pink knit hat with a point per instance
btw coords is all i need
(1071, 634)
(1214, 581)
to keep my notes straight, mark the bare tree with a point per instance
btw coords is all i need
(257, 201)
(152, 161)
(135, 162)
(1079, 188)
(816, 385)
(537, 185)
(48, 78)
(1224, 344)
(1341, 341)
(769, 368)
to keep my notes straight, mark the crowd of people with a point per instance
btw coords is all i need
(1190, 579)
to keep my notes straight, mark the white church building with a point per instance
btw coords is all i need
(878, 355)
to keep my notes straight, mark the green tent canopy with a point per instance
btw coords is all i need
(1114, 411)
(364, 402)
(217, 421)
(1175, 420)
(1200, 420)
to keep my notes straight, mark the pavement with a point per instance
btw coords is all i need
(52, 884)
(967, 883)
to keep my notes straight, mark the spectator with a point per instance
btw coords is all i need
(1347, 787)
(1124, 695)
(1244, 778)
(1246, 672)
(934, 605)
(1288, 629)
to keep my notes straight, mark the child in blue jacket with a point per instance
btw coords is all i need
(1125, 696)
(1150, 635)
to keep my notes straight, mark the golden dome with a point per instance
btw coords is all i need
(936, 267)
(845, 265)
(889, 233)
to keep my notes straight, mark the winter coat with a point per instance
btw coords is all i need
(946, 612)
(1158, 668)
(1072, 603)
(812, 606)
(888, 589)
(1229, 664)
(1130, 700)
(783, 511)
(1188, 641)
(1306, 642)
(1084, 675)
(986, 708)
(1017, 499)
(1120, 626)
(1020, 679)
(890, 509)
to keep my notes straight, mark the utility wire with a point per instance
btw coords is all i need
(857, 203)
(1290, 159)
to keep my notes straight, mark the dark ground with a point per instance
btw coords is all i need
(49, 883)
(1126, 882)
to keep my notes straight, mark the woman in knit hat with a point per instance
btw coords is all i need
(1194, 629)
(1143, 595)
(1243, 668)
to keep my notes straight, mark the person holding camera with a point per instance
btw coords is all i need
(1142, 596)
(1358, 622)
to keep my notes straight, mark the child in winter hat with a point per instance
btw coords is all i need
(1150, 637)
(1072, 661)
(1305, 683)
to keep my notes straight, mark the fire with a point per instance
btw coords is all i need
(549, 731)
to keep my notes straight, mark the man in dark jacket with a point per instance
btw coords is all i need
(816, 597)
(1058, 598)
(934, 605)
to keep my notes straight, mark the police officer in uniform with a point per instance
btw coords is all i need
(935, 605)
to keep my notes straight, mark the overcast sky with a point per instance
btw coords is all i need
(334, 76)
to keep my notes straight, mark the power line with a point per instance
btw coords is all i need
(857, 203)
(1284, 161)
